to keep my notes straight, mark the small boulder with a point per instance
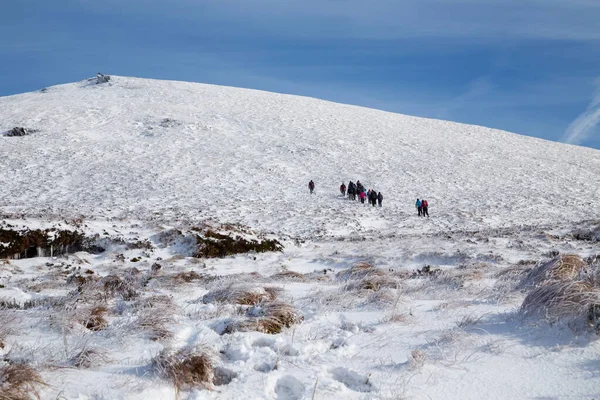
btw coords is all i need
(101, 78)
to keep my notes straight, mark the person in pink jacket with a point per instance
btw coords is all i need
(362, 196)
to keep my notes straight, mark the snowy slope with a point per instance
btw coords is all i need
(145, 162)
(246, 156)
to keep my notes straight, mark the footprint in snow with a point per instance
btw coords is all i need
(352, 380)
(289, 388)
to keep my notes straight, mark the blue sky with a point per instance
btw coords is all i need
(527, 66)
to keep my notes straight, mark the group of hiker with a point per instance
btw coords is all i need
(357, 189)
(422, 208)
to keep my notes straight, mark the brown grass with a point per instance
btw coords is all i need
(513, 273)
(359, 271)
(156, 323)
(288, 276)
(563, 268)
(96, 321)
(187, 368)
(187, 276)
(563, 300)
(113, 285)
(373, 282)
(271, 318)
(241, 294)
(19, 382)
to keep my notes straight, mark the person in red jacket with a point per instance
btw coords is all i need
(424, 206)
(363, 196)
(343, 189)
(311, 186)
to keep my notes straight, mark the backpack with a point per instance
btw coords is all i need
(425, 204)
(380, 197)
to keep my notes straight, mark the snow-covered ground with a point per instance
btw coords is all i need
(138, 160)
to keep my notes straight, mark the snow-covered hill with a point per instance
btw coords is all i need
(480, 301)
(146, 148)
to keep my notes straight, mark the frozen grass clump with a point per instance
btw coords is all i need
(89, 358)
(563, 268)
(113, 286)
(271, 318)
(373, 282)
(8, 321)
(513, 274)
(156, 322)
(19, 382)
(95, 321)
(242, 295)
(288, 276)
(187, 368)
(359, 271)
(187, 276)
(575, 301)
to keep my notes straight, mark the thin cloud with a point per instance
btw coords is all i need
(476, 89)
(585, 124)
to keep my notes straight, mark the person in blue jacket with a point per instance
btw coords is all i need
(419, 205)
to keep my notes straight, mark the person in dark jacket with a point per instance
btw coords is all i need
(379, 198)
(351, 191)
(311, 186)
(359, 187)
(343, 189)
(373, 196)
(424, 207)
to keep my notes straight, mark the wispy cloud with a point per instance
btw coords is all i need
(585, 125)
(476, 90)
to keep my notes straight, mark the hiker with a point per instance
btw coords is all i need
(369, 198)
(351, 191)
(373, 200)
(424, 206)
(362, 196)
(419, 206)
(311, 186)
(359, 187)
(343, 189)
(379, 198)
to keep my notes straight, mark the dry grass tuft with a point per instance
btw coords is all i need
(19, 382)
(359, 271)
(8, 320)
(188, 276)
(373, 282)
(156, 323)
(88, 358)
(241, 294)
(513, 273)
(187, 368)
(271, 318)
(96, 321)
(578, 300)
(417, 359)
(288, 276)
(113, 285)
(560, 269)
(396, 317)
